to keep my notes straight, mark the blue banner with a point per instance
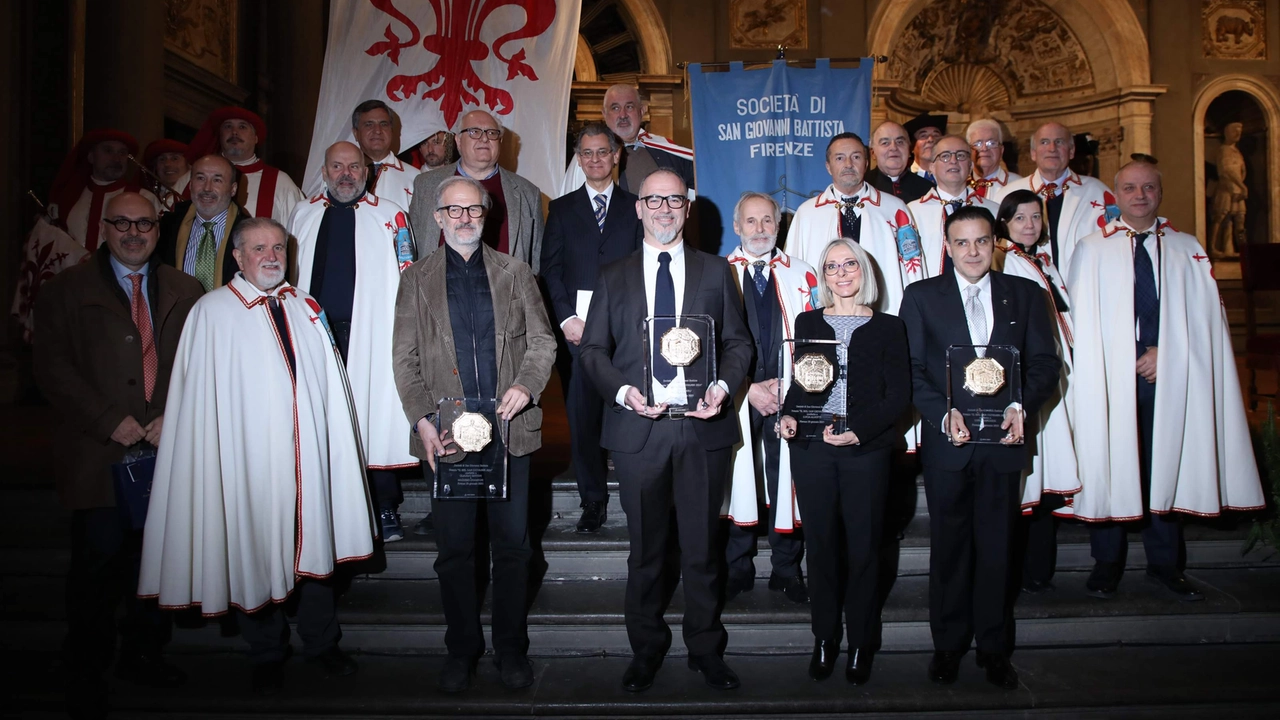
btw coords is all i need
(767, 130)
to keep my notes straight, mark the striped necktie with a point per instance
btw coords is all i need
(146, 335)
(600, 210)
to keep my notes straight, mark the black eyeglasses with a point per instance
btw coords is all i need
(675, 202)
(123, 224)
(456, 211)
(476, 133)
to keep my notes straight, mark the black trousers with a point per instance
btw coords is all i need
(842, 497)
(1038, 539)
(786, 549)
(673, 473)
(267, 629)
(105, 557)
(972, 514)
(1161, 534)
(456, 522)
(586, 412)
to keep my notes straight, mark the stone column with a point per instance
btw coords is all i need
(124, 67)
(291, 81)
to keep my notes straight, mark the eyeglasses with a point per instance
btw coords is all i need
(985, 144)
(834, 268)
(675, 202)
(476, 133)
(950, 156)
(456, 211)
(123, 224)
(587, 155)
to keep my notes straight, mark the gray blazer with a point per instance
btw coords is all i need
(524, 213)
(422, 352)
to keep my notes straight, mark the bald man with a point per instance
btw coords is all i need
(1075, 205)
(892, 151)
(195, 235)
(352, 247)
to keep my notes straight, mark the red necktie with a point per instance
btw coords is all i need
(1049, 190)
(142, 319)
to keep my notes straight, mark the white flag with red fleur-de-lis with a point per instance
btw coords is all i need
(432, 61)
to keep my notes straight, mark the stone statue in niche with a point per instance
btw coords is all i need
(1229, 201)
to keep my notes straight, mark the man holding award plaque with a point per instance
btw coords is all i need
(665, 339)
(472, 351)
(982, 358)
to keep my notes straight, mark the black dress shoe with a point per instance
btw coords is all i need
(1175, 582)
(823, 662)
(151, 671)
(456, 674)
(736, 585)
(425, 526)
(793, 587)
(944, 667)
(999, 672)
(1035, 587)
(594, 513)
(640, 673)
(334, 662)
(714, 671)
(858, 669)
(516, 671)
(1104, 579)
(267, 678)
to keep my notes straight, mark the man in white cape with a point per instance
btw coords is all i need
(775, 288)
(259, 487)
(1075, 205)
(390, 178)
(952, 163)
(990, 179)
(349, 243)
(1171, 436)
(878, 221)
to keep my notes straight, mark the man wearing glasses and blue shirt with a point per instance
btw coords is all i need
(514, 224)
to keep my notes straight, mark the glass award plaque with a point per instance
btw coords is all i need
(679, 361)
(478, 468)
(810, 369)
(982, 381)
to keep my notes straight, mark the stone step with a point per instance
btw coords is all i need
(576, 618)
(1147, 683)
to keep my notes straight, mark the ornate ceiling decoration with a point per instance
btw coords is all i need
(984, 54)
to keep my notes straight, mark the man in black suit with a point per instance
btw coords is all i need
(973, 490)
(194, 236)
(892, 150)
(586, 229)
(668, 465)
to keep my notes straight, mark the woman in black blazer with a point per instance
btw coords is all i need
(841, 481)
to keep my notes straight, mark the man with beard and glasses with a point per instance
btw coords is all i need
(775, 288)
(990, 180)
(892, 150)
(952, 163)
(264, 191)
(470, 322)
(106, 333)
(93, 173)
(514, 224)
(194, 236)
(671, 469)
(352, 247)
(260, 453)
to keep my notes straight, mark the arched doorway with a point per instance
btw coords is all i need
(1023, 62)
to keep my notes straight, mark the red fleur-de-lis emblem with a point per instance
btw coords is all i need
(452, 79)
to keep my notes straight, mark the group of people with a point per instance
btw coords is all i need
(287, 356)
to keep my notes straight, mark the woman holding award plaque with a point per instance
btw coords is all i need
(841, 434)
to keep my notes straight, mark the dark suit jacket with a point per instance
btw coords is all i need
(612, 350)
(422, 352)
(574, 248)
(879, 389)
(172, 247)
(524, 213)
(88, 363)
(682, 166)
(933, 312)
(912, 185)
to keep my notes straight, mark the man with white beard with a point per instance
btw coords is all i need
(259, 489)
(352, 247)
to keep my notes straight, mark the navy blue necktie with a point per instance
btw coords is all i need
(757, 274)
(952, 206)
(664, 311)
(1146, 304)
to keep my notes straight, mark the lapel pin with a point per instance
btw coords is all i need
(1004, 301)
